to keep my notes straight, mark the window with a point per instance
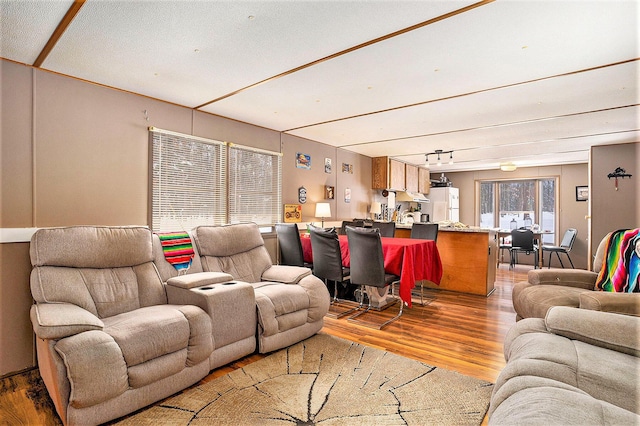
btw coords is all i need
(519, 204)
(255, 179)
(197, 181)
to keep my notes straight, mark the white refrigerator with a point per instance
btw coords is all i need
(445, 204)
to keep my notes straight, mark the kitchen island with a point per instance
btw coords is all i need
(469, 258)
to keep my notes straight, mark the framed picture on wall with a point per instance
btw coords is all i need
(327, 165)
(582, 193)
(303, 161)
(329, 192)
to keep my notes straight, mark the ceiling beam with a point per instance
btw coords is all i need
(62, 27)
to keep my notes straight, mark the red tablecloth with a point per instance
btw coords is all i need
(411, 259)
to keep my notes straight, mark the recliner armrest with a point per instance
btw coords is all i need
(58, 320)
(199, 279)
(578, 278)
(619, 303)
(285, 274)
(605, 329)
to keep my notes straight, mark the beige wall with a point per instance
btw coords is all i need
(611, 209)
(75, 153)
(572, 213)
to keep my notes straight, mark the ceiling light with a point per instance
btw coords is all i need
(508, 167)
(438, 152)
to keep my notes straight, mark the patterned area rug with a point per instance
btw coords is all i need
(325, 380)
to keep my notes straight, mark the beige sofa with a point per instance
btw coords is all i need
(117, 329)
(546, 288)
(575, 366)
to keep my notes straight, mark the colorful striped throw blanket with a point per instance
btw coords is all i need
(177, 249)
(621, 264)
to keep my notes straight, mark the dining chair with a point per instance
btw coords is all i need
(290, 245)
(387, 229)
(522, 241)
(424, 231)
(367, 268)
(565, 247)
(357, 223)
(327, 264)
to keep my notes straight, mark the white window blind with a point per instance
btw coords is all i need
(255, 182)
(189, 186)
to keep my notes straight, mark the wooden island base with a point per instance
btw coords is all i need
(469, 260)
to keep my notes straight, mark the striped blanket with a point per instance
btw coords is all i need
(177, 249)
(621, 264)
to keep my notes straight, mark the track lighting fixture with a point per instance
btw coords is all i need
(438, 152)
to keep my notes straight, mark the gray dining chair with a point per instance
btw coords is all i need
(565, 247)
(358, 223)
(290, 245)
(327, 265)
(387, 229)
(367, 268)
(424, 231)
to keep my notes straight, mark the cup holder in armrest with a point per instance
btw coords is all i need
(229, 283)
(205, 288)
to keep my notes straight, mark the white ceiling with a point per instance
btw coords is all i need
(532, 82)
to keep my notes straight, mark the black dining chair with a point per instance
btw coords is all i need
(356, 223)
(565, 247)
(424, 231)
(387, 229)
(327, 264)
(290, 245)
(522, 241)
(367, 268)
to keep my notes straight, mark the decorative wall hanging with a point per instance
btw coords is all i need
(329, 192)
(619, 172)
(347, 195)
(347, 168)
(302, 195)
(327, 165)
(582, 193)
(292, 213)
(303, 161)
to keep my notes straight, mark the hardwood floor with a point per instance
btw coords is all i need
(455, 331)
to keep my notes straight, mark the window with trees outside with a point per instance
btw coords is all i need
(197, 181)
(525, 203)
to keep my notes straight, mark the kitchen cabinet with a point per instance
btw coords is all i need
(387, 173)
(411, 178)
(424, 180)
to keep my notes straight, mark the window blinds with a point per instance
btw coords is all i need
(255, 182)
(197, 181)
(189, 186)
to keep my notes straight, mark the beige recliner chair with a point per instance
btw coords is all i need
(546, 288)
(291, 302)
(109, 341)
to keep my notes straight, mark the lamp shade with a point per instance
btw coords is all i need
(323, 210)
(376, 207)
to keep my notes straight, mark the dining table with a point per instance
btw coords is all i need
(537, 237)
(411, 259)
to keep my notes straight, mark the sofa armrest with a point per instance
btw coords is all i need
(604, 329)
(578, 278)
(58, 320)
(619, 303)
(199, 279)
(285, 274)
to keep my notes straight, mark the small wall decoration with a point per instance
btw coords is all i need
(292, 213)
(302, 195)
(327, 165)
(582, 193)
(303, 161)
(347, 195)
(619, 172)
(347, 168)
(329, 192)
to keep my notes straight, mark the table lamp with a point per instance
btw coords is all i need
(323, 210)
(376, 208)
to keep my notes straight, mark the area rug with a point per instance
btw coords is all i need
(326, 380)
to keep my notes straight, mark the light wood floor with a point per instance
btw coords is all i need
(455, 331)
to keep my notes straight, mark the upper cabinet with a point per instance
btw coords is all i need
(387, 173)
(411, 177)
(424, 180)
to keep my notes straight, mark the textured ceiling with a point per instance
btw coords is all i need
(529, 82)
